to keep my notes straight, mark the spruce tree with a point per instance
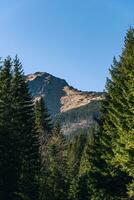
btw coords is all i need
(120, 112)
(8, 183)
(113, 169)
(43, 119)
(24, 128)
(43, 123)
(125, 142)
(43, 126)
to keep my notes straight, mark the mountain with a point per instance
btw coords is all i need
(74, 108)
(48, 86)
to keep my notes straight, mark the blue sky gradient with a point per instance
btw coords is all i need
(72, 39)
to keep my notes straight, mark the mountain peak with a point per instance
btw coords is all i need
(62, 99)
(35, 75)
(58, 95)
(43, 75)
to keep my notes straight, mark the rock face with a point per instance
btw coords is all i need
(74, 108)
(48, 86)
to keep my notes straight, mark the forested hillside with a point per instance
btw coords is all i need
(39, 162)
(79, 118)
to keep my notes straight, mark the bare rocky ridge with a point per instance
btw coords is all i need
(74, 98)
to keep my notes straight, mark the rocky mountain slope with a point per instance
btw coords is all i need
(74, 98)
(73, 107)
(48, 86)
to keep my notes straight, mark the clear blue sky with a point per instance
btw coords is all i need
(72, 39)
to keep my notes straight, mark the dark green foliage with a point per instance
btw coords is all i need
(43, 125)
(43, 120)
(55, 169)
(112, 171)
(75, 152)
(79, 166)
(8, 182)
(24, 126)
(18, 140)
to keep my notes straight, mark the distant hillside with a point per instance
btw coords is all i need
(74, 108)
